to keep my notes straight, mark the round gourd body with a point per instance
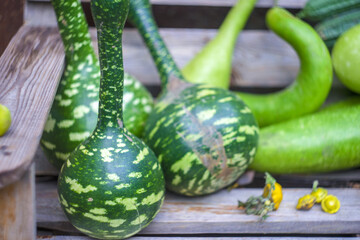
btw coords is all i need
(112, 185)
(74, 111)
(205, 138)
(346, 58)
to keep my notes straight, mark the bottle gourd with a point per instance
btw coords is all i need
(112, 185)
(204, 137)
(74, 111)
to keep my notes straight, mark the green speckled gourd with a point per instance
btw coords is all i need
(204, 137)
(74, 111)
(112, 185)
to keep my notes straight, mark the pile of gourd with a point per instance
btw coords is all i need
(199, 137)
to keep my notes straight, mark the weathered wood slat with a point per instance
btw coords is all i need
(218, 214)
(30, 69)
(17, 209)
(201, 238)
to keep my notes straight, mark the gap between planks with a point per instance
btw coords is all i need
(30, 69)
(218, 214)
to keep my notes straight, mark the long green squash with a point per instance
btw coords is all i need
(74, 110)
(112, 185)
(204, 137)
(322, 142)
(212, 65)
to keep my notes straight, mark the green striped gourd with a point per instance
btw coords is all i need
(112, 185)
(204, 137)
(212, 65)
(319, 10)
(332, 28)
(74, 110)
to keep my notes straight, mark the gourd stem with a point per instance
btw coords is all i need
(141, 17)
(109, 31)
(73, 30)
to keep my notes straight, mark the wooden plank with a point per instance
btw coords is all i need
(11, 19)
(17, 208)
(30, 68)
(175, 13)
(201, 238)
(218, 214)
(42, 165)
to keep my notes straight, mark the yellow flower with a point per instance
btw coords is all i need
(276, 194)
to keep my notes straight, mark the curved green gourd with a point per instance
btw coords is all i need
(325, 141)
(212, 65)
(74, 110)
(204, 137)
(313, 81)
(112, 185)
(304, 96)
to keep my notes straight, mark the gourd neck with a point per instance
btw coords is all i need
(109, 18)
(212, 65)
(141, 17)
(74, 31)
(234, 23)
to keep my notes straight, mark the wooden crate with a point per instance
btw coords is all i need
(32, 66)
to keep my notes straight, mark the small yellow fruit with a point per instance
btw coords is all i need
(320, 194)
(276, 194)
(330, 204)
(306, 202)
(5, 119)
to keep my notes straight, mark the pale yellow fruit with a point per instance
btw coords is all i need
(5, 119)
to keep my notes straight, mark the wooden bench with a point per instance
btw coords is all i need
(31, 67)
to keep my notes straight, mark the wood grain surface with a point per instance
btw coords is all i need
(30, 69)
(17, 209)
(218, 214)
